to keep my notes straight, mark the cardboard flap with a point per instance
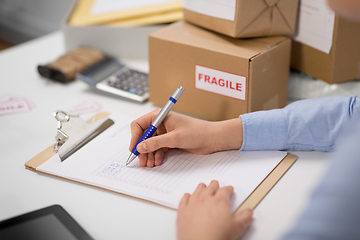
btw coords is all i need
(289, 11)
(276, 19)
(271, 3)
(248, 12)
(185, 33)
(255, 18)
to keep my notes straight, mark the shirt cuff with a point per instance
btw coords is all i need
(264, 130)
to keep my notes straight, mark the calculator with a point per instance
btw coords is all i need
(111, 76)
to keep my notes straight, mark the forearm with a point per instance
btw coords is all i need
(227, 135)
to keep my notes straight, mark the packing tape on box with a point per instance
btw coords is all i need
(65, 67)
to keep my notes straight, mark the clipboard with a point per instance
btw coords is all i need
(46, 154)
(250, 202)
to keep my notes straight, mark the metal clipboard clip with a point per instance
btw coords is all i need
(73, 132)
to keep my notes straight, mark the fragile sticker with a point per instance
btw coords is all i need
(85, 107)
(220, 82)
(10, 104)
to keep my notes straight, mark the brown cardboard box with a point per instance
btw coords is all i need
(253, 18)
(223, 77)
(343, 62)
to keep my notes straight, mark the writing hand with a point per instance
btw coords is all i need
(183, 132)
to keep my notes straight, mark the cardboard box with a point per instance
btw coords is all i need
(244, 18)
(223, 77)
(343, 62)
(119, 42)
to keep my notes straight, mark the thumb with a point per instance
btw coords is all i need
(243, 220)
(156, 142)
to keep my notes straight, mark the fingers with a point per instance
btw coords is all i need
(184, 201)
(203, 190)
(155, 159)
(168, 140)
(159, 155)
(206, 214)
(225, 192)
(143, 159)
(152, 159)
(139, 125)
(212, 188)
(147, 160)
(136, 133)
(243, 220)
(198, 190)
(142, 147)
(152, 150)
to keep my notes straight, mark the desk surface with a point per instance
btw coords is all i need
(104, 214)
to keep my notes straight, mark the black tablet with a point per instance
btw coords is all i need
(48, 223)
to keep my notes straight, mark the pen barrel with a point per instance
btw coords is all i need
(148, 133)
(162, 114)
(166, 109)
(159, 118)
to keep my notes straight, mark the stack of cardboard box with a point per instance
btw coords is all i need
(232, 57)
(341, 63)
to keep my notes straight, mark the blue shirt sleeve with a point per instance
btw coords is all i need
(334, 208)
(311, 124)
(323, 124)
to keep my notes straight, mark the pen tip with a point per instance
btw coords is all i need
(130, 159)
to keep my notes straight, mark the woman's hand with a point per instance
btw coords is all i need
(186, 133)
(206, 215)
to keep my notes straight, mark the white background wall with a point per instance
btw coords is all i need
(22, 20)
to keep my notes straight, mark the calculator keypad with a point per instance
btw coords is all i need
(130, 80)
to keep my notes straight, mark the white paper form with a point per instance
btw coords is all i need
(106, 6)
(102, 163)
(224, 9)
(315, 25)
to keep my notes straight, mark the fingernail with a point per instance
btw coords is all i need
(142, 147)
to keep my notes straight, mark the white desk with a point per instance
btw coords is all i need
(104, 214)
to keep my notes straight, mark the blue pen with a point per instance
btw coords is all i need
(157, 121)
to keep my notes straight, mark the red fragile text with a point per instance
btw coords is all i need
(11, 107)
(220, 82)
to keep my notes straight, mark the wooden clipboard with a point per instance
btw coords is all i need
(252, 200)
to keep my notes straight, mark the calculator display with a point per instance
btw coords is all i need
(106, 71)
